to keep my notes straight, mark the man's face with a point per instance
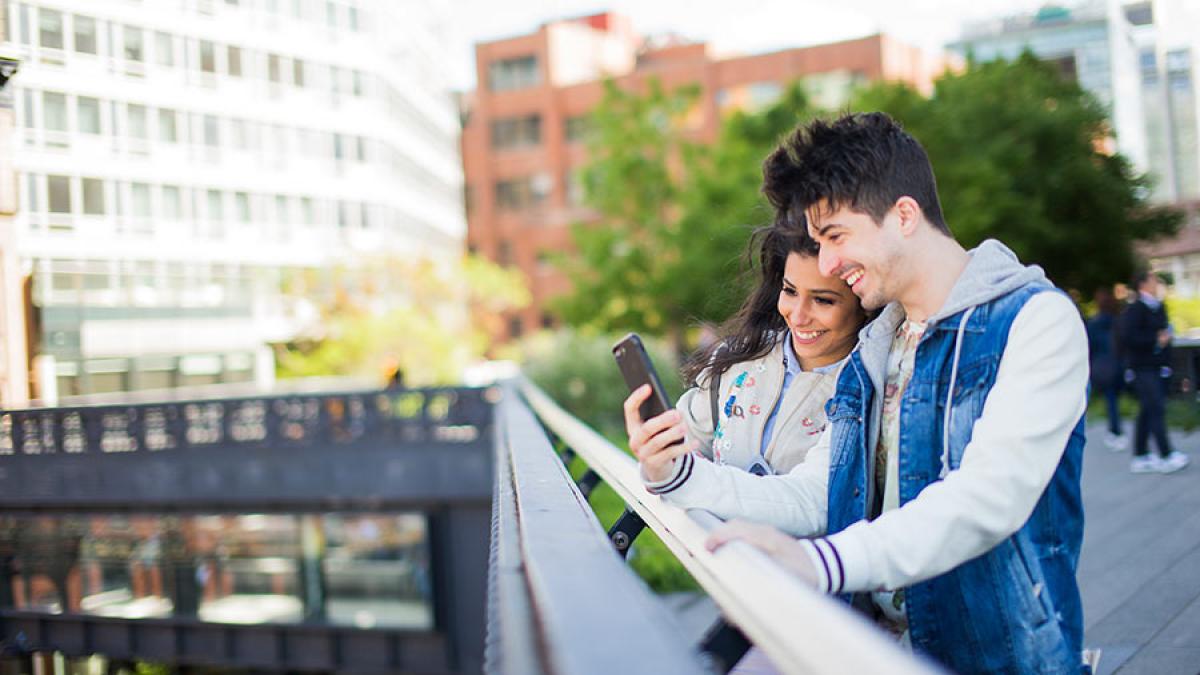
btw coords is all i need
(856, 249)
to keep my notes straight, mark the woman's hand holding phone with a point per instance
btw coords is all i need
(656, 442)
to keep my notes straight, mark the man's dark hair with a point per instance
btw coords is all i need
(862, 161)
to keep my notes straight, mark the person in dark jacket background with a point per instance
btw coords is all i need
(1145, 343)
(1107, 371)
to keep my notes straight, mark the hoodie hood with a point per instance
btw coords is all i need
(992, 271)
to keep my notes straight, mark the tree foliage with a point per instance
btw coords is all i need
(429, 320)
(1018, 152)
(674, 216)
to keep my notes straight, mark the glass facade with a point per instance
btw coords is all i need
(362, 570)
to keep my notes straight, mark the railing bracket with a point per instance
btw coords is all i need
(625, 530)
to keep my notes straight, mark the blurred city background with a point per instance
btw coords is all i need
(229, 198)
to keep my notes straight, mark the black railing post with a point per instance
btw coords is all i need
(725, 645)
(625, 530)
(588, 482)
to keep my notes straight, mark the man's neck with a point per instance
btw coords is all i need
(932, 274)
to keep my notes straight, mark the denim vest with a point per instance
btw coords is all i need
(1016, 608)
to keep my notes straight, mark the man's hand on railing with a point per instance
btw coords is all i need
(787, 551)
(658, 441)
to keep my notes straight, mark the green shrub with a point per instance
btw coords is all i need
(579, 373)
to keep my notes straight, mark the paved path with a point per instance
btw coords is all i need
(1140, 568)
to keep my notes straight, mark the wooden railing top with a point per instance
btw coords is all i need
(801, 630)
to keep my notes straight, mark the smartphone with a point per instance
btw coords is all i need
(637, 370)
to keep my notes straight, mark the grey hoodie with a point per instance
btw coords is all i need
(992, 271)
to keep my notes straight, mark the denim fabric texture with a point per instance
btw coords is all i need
(1016, 608)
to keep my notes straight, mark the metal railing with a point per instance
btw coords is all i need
(798, 629)
(403, 447)
(426, 451)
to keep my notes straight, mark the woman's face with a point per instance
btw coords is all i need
(822, 313)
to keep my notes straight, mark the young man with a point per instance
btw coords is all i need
(944, 492)
(1146, 343)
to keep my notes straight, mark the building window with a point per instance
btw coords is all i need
(141, 200)
(85, 34)
(1141, 14)
(576, 128)
(282, 211)
(168, 129)
(137, 127)
(298, 73)
(1148, 64)
(164, 49)
(133, 43)
(212, 136)
(520, 193)
(58, 189)
(50, 29)
(573, 181)
(93, 196)
(54, 111)
(307, 212)
(89, 114)
(172, 203)
(273, 67)
(234, 58)
(517, 132)
(208, 57)
(504, 253)
(241, 205)
(215, 213)
(518, 73)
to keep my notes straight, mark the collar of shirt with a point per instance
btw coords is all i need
(1151, 301)
(791, 362)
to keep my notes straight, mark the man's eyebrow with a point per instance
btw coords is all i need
(823, 229)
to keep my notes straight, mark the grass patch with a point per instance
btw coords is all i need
(1183, 412)
(649, 557)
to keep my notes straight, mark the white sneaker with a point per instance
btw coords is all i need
(1173, 462)
(1116, 443)
(1144, 464)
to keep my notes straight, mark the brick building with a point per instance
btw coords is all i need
(522, 137)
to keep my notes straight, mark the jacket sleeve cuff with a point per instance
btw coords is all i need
(683, 471)
(853, 559)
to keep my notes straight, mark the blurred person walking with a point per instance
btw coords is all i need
(1145, 343)
(1107, 372)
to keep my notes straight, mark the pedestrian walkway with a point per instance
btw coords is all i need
(1140, 567)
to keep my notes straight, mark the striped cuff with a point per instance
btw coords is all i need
(683, 471)
(827, 561)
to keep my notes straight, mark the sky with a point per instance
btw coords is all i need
(731, 27)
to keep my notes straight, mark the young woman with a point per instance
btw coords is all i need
(773, 370)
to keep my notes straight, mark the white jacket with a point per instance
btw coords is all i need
(749, 392)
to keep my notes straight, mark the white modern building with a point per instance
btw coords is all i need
(1138, 58)
(181, 163)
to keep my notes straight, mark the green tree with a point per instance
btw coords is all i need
(621, 270)
(674, 216)
(429, 320)
(1019, 156)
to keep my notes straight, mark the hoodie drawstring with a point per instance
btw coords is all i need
(958, 338)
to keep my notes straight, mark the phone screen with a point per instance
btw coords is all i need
(637, 369)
